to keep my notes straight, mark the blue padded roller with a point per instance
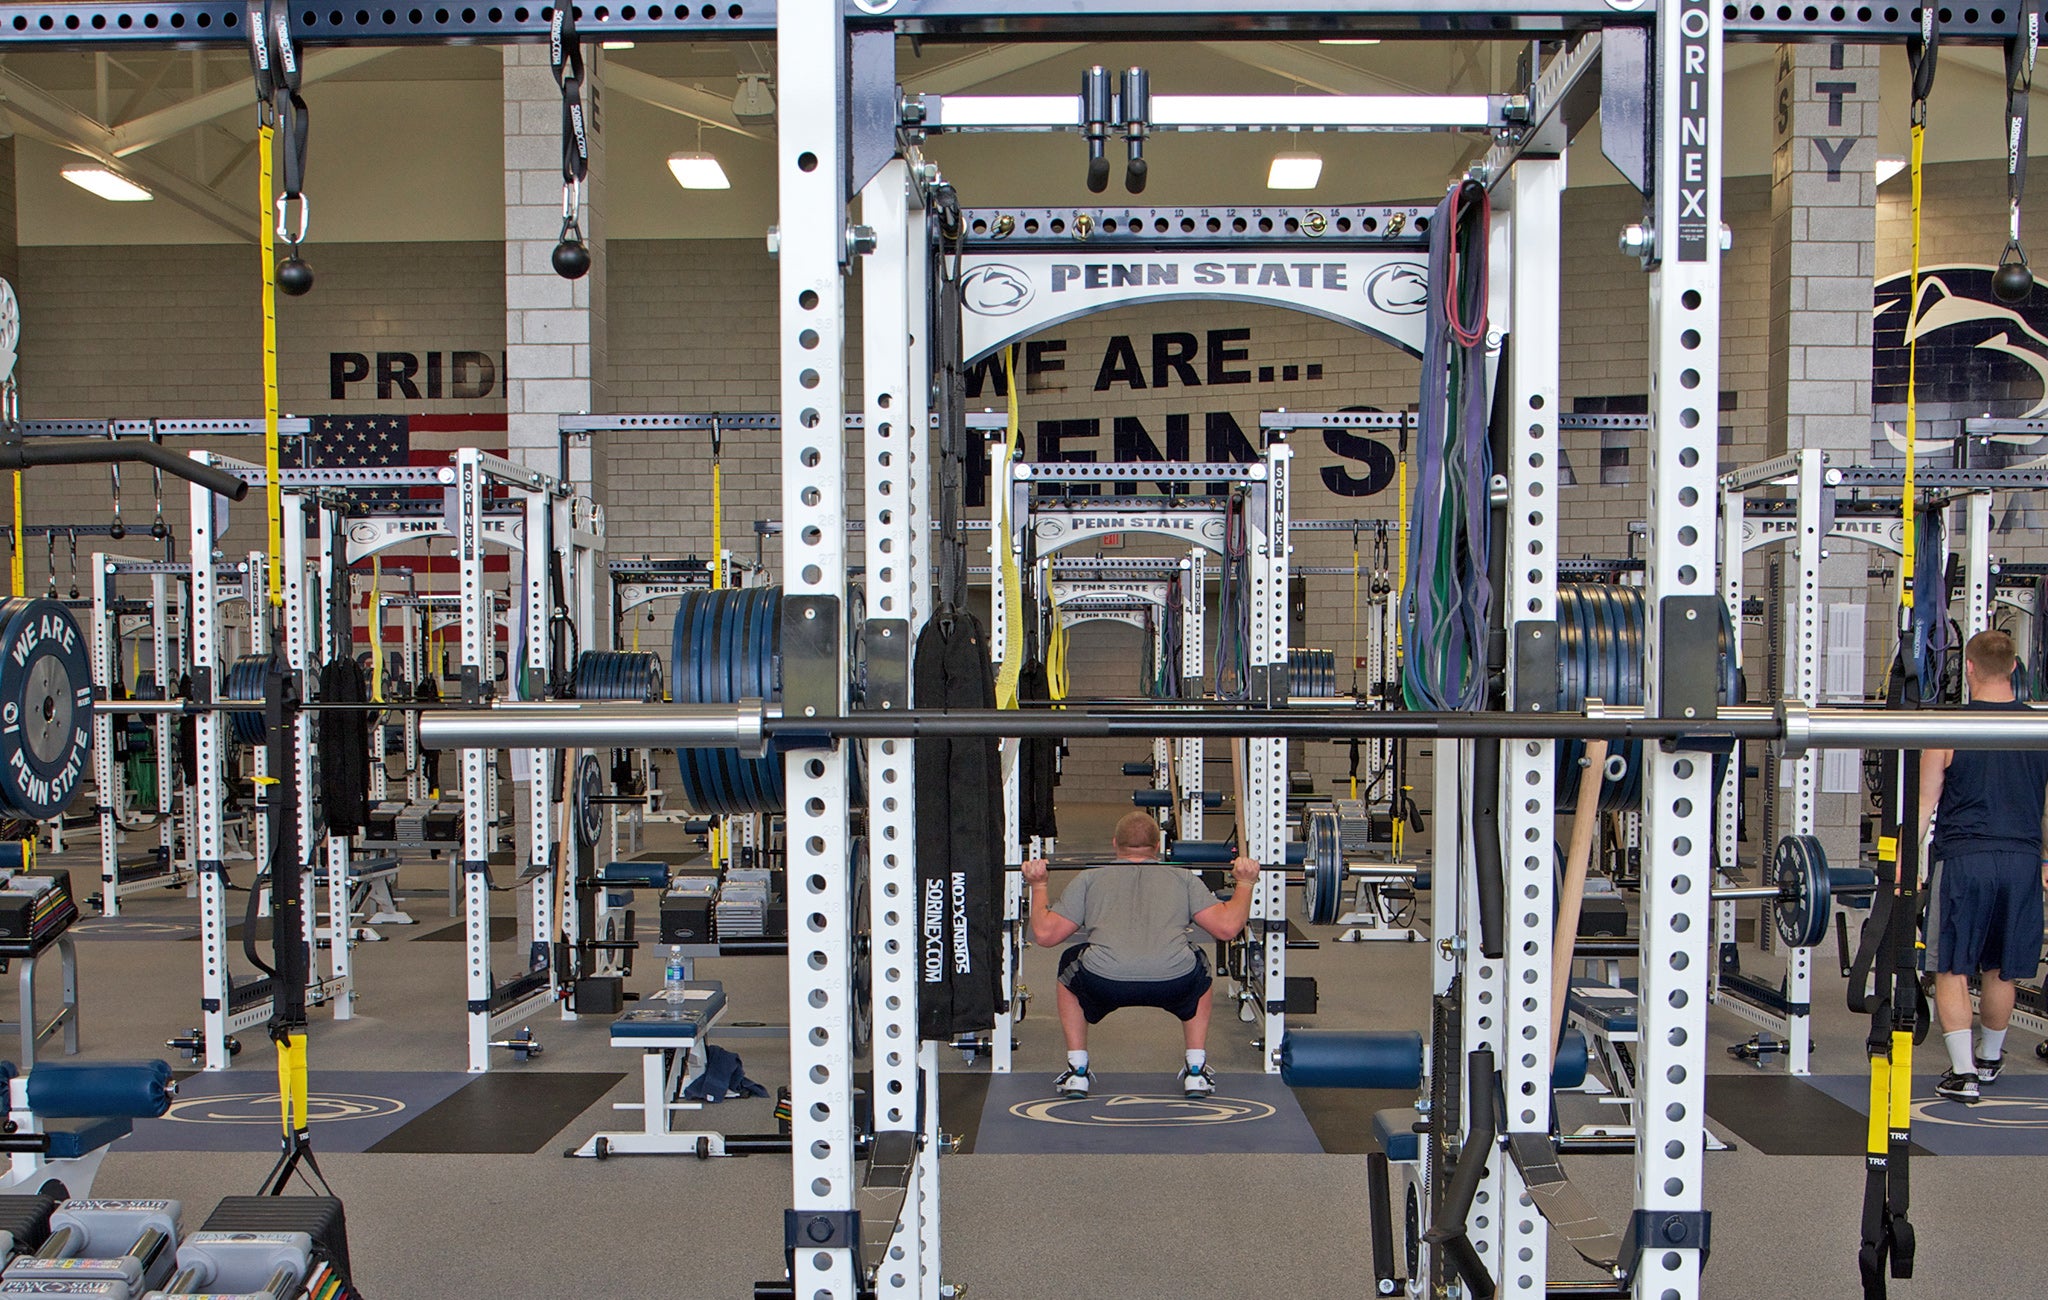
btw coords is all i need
(1351, 1058)
(1569, 1069)
(1219, 853)
(15, 853)
(1139, 769)
(1164, 798)
(634, 875)
(135, 1089)
(1421, 879)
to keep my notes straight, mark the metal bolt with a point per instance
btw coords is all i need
(775, 241)
(1635, 238)
(1691, 615)
(1315, 223)
(859, 240)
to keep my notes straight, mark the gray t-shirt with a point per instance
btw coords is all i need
(1136, 918)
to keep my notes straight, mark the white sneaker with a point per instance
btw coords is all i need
(1197, 1081)
(1073, 1082)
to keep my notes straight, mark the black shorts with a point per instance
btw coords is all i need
(1990, 915)
(1100, 995)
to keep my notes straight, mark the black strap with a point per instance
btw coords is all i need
(565, 58)
(1921, 52)
(2019, 89)
(275, 68)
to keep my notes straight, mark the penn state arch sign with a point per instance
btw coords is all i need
(1010, 295)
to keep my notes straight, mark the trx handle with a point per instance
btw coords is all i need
(2014, 279)
(565, 60)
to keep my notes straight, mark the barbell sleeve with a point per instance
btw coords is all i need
(608, 725)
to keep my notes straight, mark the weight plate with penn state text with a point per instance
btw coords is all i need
(45, 707)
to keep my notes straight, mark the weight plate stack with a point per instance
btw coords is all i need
(618, 675)
(1323, 865)
(45, 708)
(1311, 672)
(726, 649)
(860, 980)
(244, 681)
(1600, 656)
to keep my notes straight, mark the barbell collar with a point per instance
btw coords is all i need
(608, 725)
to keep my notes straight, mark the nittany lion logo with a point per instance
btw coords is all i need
(1125, 1110)
(262, 1108)
(1401, 289)
(995, 290)
(1977, 356)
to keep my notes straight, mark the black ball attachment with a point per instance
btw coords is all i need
(159, 530)
(572, 259)
(294, 277)
(2012, 282)
(117, 530)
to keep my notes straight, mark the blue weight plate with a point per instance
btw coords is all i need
(736, 622)
(45, 708)
(1570, 692)
(1600, 675)
(693, 659)
(767, 655)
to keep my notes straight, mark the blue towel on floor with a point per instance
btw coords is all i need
(723, 1077)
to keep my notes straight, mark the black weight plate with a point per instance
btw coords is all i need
(1322, 866)
(860, 981)
(587, 815)
(1805, 897)
(45, 708)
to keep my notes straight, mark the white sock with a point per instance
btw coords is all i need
(1959, 1058)
(1078, 1060)
(1990, 1044)
(1197, 1057)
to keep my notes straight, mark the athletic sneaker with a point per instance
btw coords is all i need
(1988, 1071)
(1957, 1087)
(1197, 1081)
(1073, 1082)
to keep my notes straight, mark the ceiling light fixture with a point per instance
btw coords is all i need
(1888, 168)
(111, 186)
(698, 171)
(1294, 171)
(617, 45)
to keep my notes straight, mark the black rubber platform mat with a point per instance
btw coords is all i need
(505, 1113)
(502, 929)
(1783, 1116)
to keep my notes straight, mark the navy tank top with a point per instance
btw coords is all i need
(1991, 800)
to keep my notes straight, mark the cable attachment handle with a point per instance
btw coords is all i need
(158, 529)
(2014, 279)
(116, 530)
(1096, 110)
(278, 76)
(565, 58)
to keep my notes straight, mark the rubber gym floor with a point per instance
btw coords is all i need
(456, 1185)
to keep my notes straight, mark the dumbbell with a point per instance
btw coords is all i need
(126, 1243)
(240, 1266)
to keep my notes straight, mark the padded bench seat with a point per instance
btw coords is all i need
(361, 870)
(1395, 1131)
(1607, 1008)
(80, 1138)
(703, 1001)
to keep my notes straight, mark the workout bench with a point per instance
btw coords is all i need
(672, 1055)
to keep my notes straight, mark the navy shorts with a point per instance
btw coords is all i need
(1100, 995)
(1991, 914)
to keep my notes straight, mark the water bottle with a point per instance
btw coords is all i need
(673, 980)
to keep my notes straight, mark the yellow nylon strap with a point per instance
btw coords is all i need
(1056, 658)
(1877, 1136)
(291, 1083)
(376, 631)
(1906, 500)
(1013, 582)
(20, 540)
(717, 531)
(273, 491)
(1902, 1072)
(1354, 633)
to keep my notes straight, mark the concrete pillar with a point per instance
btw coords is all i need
(554, 328)
(1823, 262)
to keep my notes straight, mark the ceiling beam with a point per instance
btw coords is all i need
(43, 114)
(686, 101)
(152, 129)
(983, 66)
(1314, 70)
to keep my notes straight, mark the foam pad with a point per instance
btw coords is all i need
(15, 853)
(1351, 1058)
(1421, 879)
(1208, 853)
(635, 875)
(1569, 1069)
(1164, 799)
(1139, 769)
(1395, 1131)
(135, 1089)
(75, 1141)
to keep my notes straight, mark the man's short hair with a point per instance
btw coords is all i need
(1991, 653)
(1136, 830)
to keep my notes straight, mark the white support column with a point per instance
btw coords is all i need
(341, 921)
(1728, 802)
(811, 173)
(1976, 563)
(208, 796)
(1265, 778)
(1534, 190)
(546, 904)
(1189, 751)
(303, 610)
(1006, 546)
(893, 521)
(474, 867)
(167, 656)
(1685, 314)
(1802, 679)
(104, 636)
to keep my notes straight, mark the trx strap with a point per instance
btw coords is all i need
(1012, 580)
(274, 70)
(1354, 632)
(376, 630)
(565, 58)
(717, 512)
(20, 540)
(2013, 280)
(1887, 1232)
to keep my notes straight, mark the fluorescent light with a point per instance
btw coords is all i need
(108, 185)
(617, 45)
(1888, 168)
(1294, 171)
(698, 171)
(1350, 40)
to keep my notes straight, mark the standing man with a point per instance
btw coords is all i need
(1136, 920)
(1986, 808)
